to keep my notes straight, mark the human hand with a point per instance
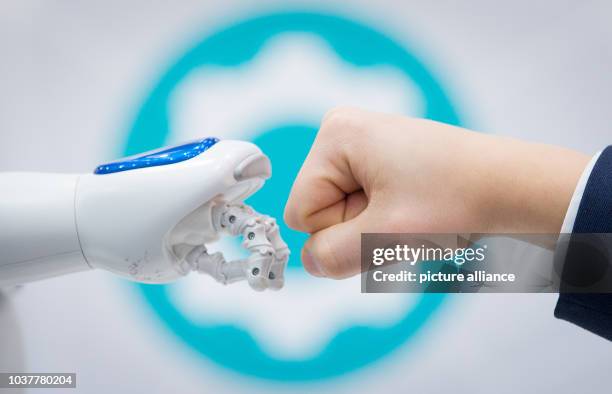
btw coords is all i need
(373, 172)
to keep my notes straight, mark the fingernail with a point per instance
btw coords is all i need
(311, 265)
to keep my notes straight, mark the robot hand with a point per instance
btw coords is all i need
(147, 218)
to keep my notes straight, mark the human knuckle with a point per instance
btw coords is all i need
(294, 216)
(340, 117)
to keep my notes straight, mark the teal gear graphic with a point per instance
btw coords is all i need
(233, 347)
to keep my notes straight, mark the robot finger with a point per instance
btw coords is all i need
(215, 265)
(234, 271)
(276, 276)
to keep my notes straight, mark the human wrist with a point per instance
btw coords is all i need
(531, 185)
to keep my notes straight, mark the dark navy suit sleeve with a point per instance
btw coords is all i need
(592, 311)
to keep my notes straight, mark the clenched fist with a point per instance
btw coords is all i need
(373, 172)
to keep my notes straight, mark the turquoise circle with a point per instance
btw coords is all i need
(230, 346)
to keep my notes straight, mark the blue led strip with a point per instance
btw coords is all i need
(158, 157)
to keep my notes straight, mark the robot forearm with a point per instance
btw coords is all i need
(38, 236)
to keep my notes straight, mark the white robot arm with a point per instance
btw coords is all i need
(146, 218)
